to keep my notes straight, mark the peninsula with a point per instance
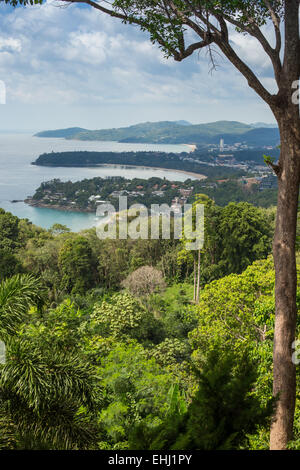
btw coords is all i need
(183, 162)
(85, 195)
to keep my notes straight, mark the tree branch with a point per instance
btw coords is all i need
(222, 41)
(112, 13)
(206, 30)
(186, 52)
(254, 31)
(276, 22)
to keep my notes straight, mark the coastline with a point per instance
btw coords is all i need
(193, 147)
(116, 165)
(31, 202)
(198, 176)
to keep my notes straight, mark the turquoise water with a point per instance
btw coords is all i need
(45, 218)
(19, 179)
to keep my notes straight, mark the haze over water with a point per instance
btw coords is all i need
(19, 179)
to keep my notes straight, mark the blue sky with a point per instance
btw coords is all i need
(73, 66)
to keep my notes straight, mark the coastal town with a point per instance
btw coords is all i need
(84, 196)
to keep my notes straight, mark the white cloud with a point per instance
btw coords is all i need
(10, 44)
(250, 50)
(77, 57)
(86, 47)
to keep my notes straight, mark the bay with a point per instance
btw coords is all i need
(19, 179)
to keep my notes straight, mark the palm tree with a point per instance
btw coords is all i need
(17, 295)
(45, 393)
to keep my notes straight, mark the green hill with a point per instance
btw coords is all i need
(168, 132)
(69, 132)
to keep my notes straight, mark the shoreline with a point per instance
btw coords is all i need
(190, 173)
(193, 147)
(198, 176)
(32, 203)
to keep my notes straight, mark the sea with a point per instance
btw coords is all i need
(19, 179)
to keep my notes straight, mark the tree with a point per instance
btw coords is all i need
(172, 24)
(57, 229)
(9, 229)
(46, 394)
(144, 281)
(9, 264)
(9, 232)
(42, 388)
(192, 233)
(135, 388)
(246, 236)
(77, 265)
(237, 309)
(235, 236)
(17, 294)
(123, 316)
(221, 415)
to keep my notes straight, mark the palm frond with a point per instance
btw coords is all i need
(17, 294)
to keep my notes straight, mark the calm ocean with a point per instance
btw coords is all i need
(19, 179)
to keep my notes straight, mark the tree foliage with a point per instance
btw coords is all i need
(222, 412)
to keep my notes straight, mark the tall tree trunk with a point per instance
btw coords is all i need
(195, 280)
(198, 276)
(284, 381)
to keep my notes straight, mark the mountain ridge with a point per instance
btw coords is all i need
(174, 132)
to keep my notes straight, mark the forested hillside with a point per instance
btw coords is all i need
(84, 196)
(141, 355)
(168, 132)
(170, 161)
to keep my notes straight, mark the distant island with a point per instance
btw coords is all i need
(176, 132)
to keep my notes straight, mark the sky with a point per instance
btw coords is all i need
(66, 66)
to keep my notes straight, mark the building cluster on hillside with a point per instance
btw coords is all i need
(94, 198)
(236, 146)
(59, 198)
(263, 182)
(49, 196)
(222, 146)
(124, 192)
(90, 194)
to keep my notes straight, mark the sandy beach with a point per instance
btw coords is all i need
(192, 146)
(196, 175)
